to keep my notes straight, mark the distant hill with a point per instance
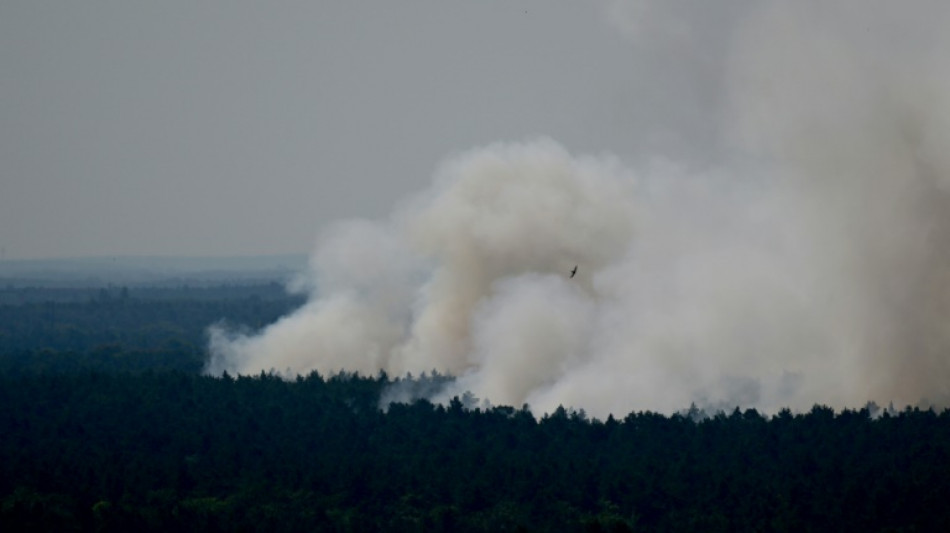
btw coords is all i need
(150, 271)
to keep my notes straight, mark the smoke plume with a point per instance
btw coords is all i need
(812, 265)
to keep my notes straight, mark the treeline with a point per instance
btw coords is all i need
(106, 424)
(122, 329)
(168, 291)
(177, 452)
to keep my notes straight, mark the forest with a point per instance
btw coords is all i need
(107, 424)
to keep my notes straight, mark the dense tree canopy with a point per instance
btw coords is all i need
(109, 329)
(99, 444)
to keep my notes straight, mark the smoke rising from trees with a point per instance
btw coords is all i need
(811, 265)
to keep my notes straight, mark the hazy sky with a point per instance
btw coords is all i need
(237, 127)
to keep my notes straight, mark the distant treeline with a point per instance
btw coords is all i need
(136, 329)
(183, 291)
(179, 452)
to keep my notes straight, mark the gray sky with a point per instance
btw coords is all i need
(238, 127)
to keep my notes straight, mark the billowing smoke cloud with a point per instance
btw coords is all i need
(412, 294)
(813, 267)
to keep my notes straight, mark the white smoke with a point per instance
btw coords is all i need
(813, 268)
(400, 296)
